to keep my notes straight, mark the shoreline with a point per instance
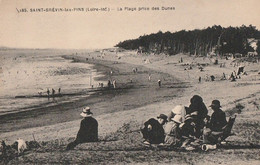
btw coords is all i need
(123, 98)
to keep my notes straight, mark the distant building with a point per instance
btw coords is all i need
(141, 49)
(252, 42)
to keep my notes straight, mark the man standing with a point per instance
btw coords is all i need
(88, 131)
(159, 83)
(48, 92)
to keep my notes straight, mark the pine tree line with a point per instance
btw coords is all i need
(198, 42)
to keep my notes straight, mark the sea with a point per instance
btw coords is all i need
(27, 74)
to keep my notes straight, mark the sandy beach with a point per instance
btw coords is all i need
(133, 90)
(137, 99)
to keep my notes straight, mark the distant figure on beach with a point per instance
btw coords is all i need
(48, 92)
(135, 70)
(108, 83)
(53, 92)
(212, 78)
(59, 91)
(88, 131)
(114, 83)
(235, 74)
(181, 60)
(232, 77)
(199, 79)
(223, 76)
(159, 83)
(149, 77)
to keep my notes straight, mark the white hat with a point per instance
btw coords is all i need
(86, 112)
(177, 118)
(179, 110)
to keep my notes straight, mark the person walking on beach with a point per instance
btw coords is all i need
(48, 92)
(114, 83)
(59, 91)
(88, 131)
(159, 83)
(53, 92)
(223, 76)
(133, 70)
(149, 77)
(108, 83)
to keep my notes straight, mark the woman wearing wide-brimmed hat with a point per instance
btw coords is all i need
(88, 131)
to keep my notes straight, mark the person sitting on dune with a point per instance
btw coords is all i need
(153, 132)
(213, 130)
(218, 118)
(178, 110)
(172, 131)
(197, 105)
(88, 131)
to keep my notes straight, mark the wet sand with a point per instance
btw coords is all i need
(133, 90)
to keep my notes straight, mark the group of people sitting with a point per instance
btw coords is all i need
(185, 125)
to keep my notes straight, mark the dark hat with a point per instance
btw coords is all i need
(162, 116)
(215, 103)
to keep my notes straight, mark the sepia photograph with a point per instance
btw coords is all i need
(130, 82)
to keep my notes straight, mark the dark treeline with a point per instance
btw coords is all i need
(198, 42)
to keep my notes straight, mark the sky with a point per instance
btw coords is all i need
(104, 29)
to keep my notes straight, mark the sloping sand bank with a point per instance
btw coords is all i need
(244, 91)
